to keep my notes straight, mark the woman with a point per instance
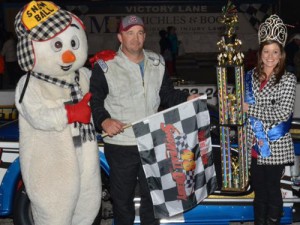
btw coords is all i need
(269, 102)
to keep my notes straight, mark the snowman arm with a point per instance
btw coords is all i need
(36, 112)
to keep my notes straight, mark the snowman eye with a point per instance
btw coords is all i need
(75, 42)
(56, 44)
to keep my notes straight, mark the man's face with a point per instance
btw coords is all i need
(132, 40)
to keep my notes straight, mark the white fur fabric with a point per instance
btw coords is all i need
(63, 183)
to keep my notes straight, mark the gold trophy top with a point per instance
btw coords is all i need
(229, 45)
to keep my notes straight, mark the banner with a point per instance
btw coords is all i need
(176, 153)
(197, 32)
(211, 91)
(197, 24)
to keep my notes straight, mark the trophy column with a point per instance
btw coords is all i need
(231, 117)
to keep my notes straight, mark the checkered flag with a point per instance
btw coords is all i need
(256, 13)
(177, 160)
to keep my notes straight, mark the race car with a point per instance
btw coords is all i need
(219, 208)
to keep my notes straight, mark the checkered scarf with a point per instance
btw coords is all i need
(87, 131)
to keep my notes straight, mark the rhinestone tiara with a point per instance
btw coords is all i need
(272, 29)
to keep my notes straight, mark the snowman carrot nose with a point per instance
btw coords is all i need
(68, 57)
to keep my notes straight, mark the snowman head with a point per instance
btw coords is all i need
(51, 41)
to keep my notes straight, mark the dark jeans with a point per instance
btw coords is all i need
(266, 183)
(125, 171)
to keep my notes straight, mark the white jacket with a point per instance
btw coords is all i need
(132, 97)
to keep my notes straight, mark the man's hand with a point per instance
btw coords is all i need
(112, 127)
(79, 112)
(193, 96)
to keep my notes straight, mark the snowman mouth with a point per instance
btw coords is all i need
(65, 68)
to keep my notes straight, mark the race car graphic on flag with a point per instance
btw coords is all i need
(176, 154)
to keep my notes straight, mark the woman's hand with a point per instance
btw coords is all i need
(245, 107)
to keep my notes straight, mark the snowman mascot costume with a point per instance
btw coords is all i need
(58, 148)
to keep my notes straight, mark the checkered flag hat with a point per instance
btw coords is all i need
(38, 21)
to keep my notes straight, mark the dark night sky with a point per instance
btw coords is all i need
(290, 13)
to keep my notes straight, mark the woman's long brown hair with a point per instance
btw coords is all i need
(279, 68)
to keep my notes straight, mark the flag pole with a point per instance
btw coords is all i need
(204, 96)
(103, 135)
